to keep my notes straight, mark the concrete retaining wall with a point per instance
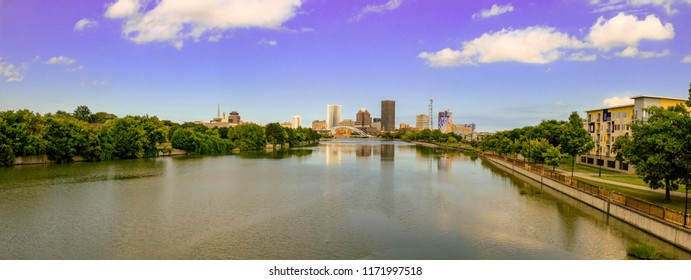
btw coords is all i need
(42, 159)
(664, 230)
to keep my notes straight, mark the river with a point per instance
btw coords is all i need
(342, 199)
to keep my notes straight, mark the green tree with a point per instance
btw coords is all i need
(275, 134)
(82, 113)
(102, 117)
(134, 137)
(248, 137)
(574, 139)
(66, 137)
(535, 149)
(659, 147)
(552, 156)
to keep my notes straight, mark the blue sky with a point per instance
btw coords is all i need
(499, 64)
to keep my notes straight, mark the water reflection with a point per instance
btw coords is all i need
(333, 201)
(387, 152)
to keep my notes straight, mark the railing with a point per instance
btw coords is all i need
(620, 199)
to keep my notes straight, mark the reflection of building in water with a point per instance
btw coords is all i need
(444, 163)
(363, 151)
(332, 153)
(387, 152)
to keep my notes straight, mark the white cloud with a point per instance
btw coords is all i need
(627, 31)
(175, 21)
(444, 58)
(215, 37)
(617, 101)
(581, 56)
(494, 11)
(10, 72)
(123, 9)
(534, 44)
(611, 5)
(61, 60)
(390, 5)
(271, 43)
(687, 59)
(634, 52)
(84, 24)
(538, 44)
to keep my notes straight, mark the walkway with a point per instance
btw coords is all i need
(603, 179)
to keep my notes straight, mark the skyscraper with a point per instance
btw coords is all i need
(333, 115)
(388, 115)
(296, 122)
(363, 119)
(422, 121)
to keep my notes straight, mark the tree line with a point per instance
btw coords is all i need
(426, 135)
(102, 136)
(547, 143)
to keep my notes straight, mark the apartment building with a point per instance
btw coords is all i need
(605, 125)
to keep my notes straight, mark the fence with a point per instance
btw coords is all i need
(651, 209)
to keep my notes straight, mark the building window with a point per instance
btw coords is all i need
(582, 159)
(610, 164)
(590, 160)
(600, 162)
(625, 166)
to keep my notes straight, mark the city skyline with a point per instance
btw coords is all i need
(178, 59)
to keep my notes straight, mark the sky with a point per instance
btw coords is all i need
(498, 64)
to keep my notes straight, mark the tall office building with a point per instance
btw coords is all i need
(363, 119)
(333, 115)
(388, 115)
(445, 121)
(296, 122)
(422, 121)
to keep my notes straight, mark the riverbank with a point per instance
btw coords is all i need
(658, 221)
(43, 159)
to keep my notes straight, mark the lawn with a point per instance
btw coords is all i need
(629, 179)
(652, 197)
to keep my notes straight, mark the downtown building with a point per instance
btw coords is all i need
(422, 122)
(388, 115)
(445, 121)
(333, 115)
(296, 121)
(363, 118)
(605, 125)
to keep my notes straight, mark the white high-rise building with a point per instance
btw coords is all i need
(297, 121)
(333, 115)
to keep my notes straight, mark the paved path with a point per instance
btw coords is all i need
(603, 179)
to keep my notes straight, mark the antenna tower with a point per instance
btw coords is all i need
(431, 119)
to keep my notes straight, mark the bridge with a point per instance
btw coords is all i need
(356, 130)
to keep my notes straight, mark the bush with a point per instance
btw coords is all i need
(643, 252)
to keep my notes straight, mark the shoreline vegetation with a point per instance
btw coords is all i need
(61, 137)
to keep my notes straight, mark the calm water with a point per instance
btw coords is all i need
(340, 200)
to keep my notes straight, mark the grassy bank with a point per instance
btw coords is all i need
(652, 197)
